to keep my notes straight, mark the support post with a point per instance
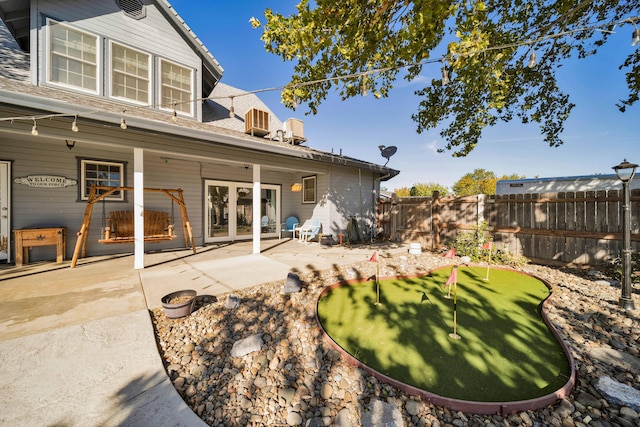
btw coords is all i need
(138, 208)
(257, 212)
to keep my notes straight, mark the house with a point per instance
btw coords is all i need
(123, 94)
(562, 184)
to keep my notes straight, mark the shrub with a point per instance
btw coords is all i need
(614, 268)
(469, 243)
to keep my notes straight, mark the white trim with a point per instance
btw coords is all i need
(83, 177)
(5, 209)
(159, 85)
(110, 71)
(49, 61)
(306, 179)
(232, 210)
(138, 208)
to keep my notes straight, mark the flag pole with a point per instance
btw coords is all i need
(490, 245)
(455, 335)
(377, 280)
(375, 258)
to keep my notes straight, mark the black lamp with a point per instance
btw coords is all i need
(625, 172)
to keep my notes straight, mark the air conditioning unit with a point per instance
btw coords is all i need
(256, 122)
(294, 131)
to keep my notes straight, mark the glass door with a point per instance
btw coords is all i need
(217, 212)
(244, 212)
(230, 213)
(5, 233)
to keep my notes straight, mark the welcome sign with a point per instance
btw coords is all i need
(46, 181)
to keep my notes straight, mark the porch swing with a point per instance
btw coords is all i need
(119, 226)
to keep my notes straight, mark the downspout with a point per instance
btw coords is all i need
(375, 203)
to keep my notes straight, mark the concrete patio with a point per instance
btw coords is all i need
(78, 344)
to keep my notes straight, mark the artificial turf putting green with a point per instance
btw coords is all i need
(506, 353)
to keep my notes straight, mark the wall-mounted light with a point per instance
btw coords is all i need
(296, 187)
(70, 143)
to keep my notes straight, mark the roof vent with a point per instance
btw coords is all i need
(132, 8)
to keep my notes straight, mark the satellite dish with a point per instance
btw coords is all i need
(387, 152)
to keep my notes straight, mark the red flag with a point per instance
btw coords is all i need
(374, 257)
(453, 277)
(487, 245)
(450, 254)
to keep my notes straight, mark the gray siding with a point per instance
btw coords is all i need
(152, 34)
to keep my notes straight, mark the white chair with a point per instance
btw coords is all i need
(309, 230)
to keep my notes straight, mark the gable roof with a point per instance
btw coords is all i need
(17, 92)
(16, 16)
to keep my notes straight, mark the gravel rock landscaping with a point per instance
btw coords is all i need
(282, 372)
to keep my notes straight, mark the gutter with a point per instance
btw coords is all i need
(151, 126)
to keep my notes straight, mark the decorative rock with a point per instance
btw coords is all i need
(382, 414)
(616, 358)
(294, 419)
(286, 394)
(629, 413)
(247, 345)
(293, 284)
(588, 400)
(247, 391)
(191, 391)
(412, 407)
(232, 302)
(618, 393)
(326, 391)
(342, 419)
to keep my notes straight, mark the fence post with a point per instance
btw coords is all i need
(435, 219)
(481, 202)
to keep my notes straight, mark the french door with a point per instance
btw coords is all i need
(229, 210)
(5, 199)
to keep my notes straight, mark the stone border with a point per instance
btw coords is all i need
(484, 408)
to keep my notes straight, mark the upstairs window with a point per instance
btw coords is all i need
(176, 87)
(73, 59)
(130, 74)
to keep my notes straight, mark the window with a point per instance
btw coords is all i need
(102, 173)
(130, 74)
(175, 87)
(309, 189)
(73, 59)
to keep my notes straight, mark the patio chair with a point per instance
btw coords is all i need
(290, 226)
(309, 230)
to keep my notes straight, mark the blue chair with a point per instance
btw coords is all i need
(290, 226)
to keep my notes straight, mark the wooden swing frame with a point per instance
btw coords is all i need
(174, 194)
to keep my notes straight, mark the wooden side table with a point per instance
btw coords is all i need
(30, 237)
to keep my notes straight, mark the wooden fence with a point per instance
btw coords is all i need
(581, 228)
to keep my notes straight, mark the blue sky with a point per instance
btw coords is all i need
(596, 136)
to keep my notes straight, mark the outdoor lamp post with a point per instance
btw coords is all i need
(625, 172)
